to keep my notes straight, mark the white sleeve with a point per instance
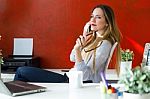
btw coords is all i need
(101, 57)
(72, 56)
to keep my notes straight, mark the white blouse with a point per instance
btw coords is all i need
(101, 57)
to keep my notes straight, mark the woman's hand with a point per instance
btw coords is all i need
(80, 43)
(82, 40)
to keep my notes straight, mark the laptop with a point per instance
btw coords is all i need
(17, 88)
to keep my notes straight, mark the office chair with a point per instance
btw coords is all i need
(111, 54)
(108, 61)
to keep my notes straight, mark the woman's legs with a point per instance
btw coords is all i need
(32, 74)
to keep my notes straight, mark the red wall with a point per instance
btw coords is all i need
(55, 25)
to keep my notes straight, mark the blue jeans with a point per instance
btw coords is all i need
(33, 74)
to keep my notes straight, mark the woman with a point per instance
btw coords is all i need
(90, 52)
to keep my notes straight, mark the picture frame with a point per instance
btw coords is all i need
(146, 55)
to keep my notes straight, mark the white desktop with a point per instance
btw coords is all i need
(110, 74)
(62, 90)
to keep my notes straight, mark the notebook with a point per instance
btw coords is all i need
(17, 88)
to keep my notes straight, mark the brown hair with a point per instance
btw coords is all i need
(111, 33)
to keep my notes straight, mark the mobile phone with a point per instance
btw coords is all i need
(89, 29)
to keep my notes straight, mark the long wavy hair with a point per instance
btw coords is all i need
(111, 33)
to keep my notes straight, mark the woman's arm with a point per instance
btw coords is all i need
(72, 56)
(76, 52)
(102, 54)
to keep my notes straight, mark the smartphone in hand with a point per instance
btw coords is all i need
(89, 29)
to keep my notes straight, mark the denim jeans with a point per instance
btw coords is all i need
(33, 74)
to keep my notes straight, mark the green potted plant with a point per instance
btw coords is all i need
(126, 60)
(137, 83)
(126, 55)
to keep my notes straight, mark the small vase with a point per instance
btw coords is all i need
(135, 96)
(124, 66)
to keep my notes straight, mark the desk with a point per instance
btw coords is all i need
(62, 91)
(110, 74)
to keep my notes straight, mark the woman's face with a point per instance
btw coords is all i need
(98, 21)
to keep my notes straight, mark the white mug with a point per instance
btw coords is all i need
(75, 79)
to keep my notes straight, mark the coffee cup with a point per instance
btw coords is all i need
(75, 79)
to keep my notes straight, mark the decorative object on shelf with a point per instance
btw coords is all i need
(126, 60)
(136, 83)
(146, 55)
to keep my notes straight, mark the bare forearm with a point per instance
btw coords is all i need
(78, 56)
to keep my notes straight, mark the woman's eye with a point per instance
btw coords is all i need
(98, 17)
(91, 16)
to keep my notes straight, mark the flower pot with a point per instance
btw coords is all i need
(124, 66)
(135, 96)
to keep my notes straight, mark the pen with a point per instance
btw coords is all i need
(104, 79)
